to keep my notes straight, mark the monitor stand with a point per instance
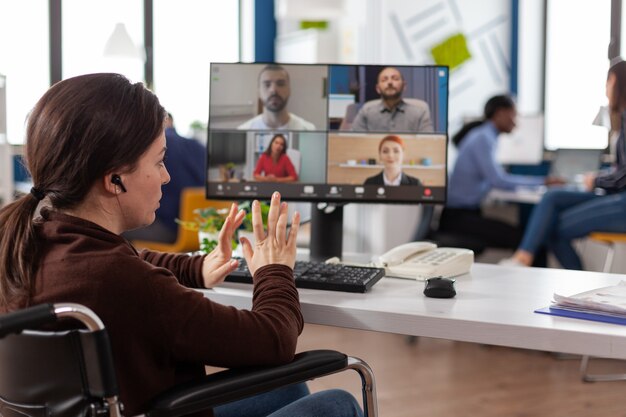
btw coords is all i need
(326, 231)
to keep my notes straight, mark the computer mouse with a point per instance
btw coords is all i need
(439, 287)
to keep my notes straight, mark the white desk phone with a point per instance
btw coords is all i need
(423, 260)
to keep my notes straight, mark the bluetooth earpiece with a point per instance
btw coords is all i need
(115, 179)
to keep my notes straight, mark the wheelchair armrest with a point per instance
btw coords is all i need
(28, 318)
(234, 384)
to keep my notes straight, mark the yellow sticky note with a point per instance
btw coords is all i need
(452, 51)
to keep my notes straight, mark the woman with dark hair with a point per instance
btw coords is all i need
(465, 129)
(562, 216)
(391, 154)
(476, 172)
(95, 148)
(493, 104)
(274, 164)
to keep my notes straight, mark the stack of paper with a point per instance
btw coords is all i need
(606, 304)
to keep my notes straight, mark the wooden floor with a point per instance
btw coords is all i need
(433, 377)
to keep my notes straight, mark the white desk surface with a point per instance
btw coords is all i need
(494, 305)
(528, 195)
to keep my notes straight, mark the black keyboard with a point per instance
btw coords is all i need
(322, 276)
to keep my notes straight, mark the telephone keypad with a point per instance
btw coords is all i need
(435, 257)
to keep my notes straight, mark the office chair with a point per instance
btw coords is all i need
(71, 373)
(427, 229)
(191, 198)
(348, 119)
(611, 240)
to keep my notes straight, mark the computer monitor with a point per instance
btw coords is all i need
(367, 154)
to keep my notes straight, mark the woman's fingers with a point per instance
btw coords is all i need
(219, 274)
(230, 222)
(278, 247)
(257, 221)
(293, 232)
(233, 210)
(238, 219)
(231, 214)
(226, 232)
(281, 225)
(272, 217)
(248, 253)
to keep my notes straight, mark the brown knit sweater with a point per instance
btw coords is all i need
(162, 332)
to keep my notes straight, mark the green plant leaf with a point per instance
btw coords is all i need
(247, 220)
(207, 219)
(188, 225)
(207, 245)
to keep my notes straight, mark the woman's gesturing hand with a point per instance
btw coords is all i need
(218, 264)
(276, 246)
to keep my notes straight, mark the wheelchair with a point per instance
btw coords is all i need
(71, 373)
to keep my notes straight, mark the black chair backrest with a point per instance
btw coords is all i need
(55, 373)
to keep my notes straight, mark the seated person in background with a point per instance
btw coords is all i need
(391, 154)
(476, 172)
(186, 163)
(564, 215)
(392, 113)
(274, 164)
(274, 92)
(95, 148)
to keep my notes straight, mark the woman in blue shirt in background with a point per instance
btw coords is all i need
(477, 172)
(563, 215)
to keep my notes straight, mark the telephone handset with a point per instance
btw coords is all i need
(423, 260)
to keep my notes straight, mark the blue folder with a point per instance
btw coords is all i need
(605, 318)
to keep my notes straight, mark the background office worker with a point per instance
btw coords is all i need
(186, 165)
(564, 215)
(476, 172)
(274, 164)
(95, 149)
(392, 113)
(391, 154)
(274, 92)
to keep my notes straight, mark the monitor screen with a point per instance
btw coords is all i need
(331, 133)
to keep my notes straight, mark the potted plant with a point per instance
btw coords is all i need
(228, 171)
(209, 221)
(198, 130)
